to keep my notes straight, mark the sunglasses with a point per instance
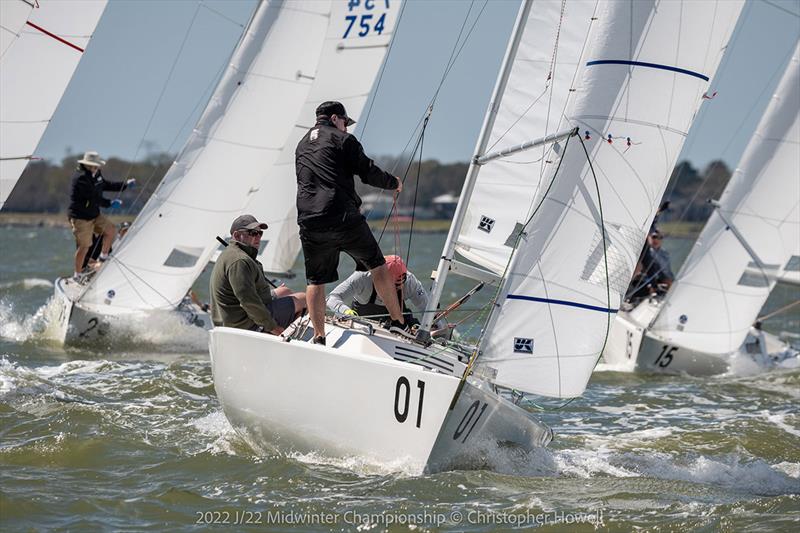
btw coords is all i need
(255, 233)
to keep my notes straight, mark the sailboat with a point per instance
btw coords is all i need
(575, 77)
(708, 315)
(41, 44)
(229, 157)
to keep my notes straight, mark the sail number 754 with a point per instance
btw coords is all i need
(366, 22)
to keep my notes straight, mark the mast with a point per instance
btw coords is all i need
(469, 182)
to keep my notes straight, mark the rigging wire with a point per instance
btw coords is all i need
(163, 91)
(455, 53)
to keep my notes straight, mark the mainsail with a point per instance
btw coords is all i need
(347, 71)
(641, 80)
(751, 237)
(237, 140)
(41, 44)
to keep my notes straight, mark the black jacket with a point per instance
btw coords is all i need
(86, 194)
(326, 160)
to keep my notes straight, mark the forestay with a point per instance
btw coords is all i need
(357, 41)
(41, 47)
(748, 240)
(642, 79)
(236, 141)
(542, 73)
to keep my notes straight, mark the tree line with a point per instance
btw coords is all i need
(44, 186)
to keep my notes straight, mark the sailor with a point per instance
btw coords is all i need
(92, 257)
(86, 199)
(240, 294)
(328, 212)
(359, 290)
(653, 275)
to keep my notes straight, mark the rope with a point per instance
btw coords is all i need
(365, 121)
(161, 94)
(778, 311)
(454, 55)
(605, 248)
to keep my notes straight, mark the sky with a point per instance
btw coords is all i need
(152, 65)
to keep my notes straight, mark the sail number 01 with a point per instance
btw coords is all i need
(365, 21)
(402, 399)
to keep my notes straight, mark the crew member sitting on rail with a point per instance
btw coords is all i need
(240, 294)
(653, 275)
(364, 300)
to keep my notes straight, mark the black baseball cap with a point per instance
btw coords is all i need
(246, 222)
(330, 108)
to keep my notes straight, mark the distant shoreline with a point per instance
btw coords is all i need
(59, 220)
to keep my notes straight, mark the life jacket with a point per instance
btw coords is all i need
(370, 309)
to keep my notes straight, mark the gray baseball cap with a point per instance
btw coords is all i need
(246, 222)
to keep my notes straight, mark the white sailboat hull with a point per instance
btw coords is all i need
(80, 323)
(633, 347)
(352, 398)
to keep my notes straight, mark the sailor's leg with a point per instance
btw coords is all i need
(315, 295)
(385, 289)
(109, 231)
(80, 255)
(299, 301)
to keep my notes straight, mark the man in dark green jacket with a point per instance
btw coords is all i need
(240, 294)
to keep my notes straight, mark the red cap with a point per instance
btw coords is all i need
(397, 268)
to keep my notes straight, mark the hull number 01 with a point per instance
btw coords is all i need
(469, 421)
(402, 399)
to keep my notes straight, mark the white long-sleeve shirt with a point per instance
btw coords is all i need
(359, 287)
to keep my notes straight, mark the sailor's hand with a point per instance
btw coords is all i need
(116, 203)
(399, 185)
(277, 330)
(350, 312)
(130, 182)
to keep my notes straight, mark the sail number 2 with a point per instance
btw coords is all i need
(367, 22)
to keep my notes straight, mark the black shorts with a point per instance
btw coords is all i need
(282, 310)
(321, 249)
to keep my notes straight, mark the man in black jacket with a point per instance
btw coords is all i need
(86, 199)
(328, 211)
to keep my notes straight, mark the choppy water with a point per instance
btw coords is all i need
(130, 435)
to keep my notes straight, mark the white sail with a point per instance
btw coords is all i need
(237, 139)
(41, 47)
(643, 76)
(347, 71)
(542, 73)
(751, 237)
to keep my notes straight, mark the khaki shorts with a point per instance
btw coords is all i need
(83, 229)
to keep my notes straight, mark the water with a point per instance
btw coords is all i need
(130, 436)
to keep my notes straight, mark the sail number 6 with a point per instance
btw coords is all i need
(402, 399)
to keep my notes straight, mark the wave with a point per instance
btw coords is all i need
(27, 283)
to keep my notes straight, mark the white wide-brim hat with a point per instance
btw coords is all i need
(91, 159)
